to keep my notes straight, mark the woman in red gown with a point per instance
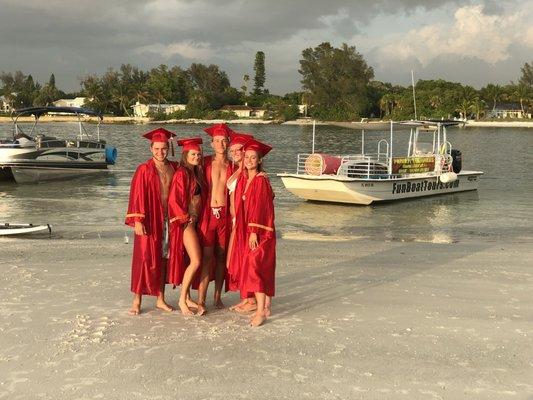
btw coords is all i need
(253, 256)
(236, 154)
(183, 207)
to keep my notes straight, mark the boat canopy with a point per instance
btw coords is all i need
(39, 111)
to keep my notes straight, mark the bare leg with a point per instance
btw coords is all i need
(259, 316)
(136, 305)
(268, 306)
(220, 273)
(160, 303)
(190, 301)
(207, 259)
(192, 246)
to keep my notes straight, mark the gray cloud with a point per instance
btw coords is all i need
(77, 37)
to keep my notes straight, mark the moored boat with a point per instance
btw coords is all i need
(430, 167)
(20, 229)
(34, 157)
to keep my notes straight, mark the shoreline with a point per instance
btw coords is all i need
(301, 122)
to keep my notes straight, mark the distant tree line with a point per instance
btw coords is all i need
(337, 84)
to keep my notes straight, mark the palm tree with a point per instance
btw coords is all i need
(521, 92)
(493, 92)
(478, 107)
(463, 107)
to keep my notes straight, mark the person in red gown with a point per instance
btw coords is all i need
(183, 209)
(147, 214)
(253, 256)
(215, 219)
(236, 153)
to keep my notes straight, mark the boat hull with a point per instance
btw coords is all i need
(41, 173)
(21, 229)
(33, 165)
(367, 191)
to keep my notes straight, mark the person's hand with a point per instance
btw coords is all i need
(139, 228)
(252, 241)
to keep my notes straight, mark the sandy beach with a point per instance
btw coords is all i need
(354, 319)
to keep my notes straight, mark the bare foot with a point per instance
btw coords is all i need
(246, 308)
(257, 320)
(185, 309)
(219, 305)
(135, 309)
(240, 304)
(163, 306)
(201, 309)
(268, 312)
(191, 303)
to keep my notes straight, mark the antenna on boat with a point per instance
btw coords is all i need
(414, 97)
(313, 148)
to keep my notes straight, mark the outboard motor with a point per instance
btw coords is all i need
(111, 154)
(457, 162)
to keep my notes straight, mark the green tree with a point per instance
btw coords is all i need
(478, 106)
(244, 87)
(259, 69)
(492, 93)
(210, 87)
(52, 81)
(463, 107)
(337, 80)
(521, 93)
(527, 75)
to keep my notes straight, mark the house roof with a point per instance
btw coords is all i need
(507, 106)
(237, 108)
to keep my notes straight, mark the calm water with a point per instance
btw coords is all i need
(499, 211)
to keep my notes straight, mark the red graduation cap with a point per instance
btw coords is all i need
(159, 135)
(239, 138)
(190, 144)
(219, 130)
(254, 144)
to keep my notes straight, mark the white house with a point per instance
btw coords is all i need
(141, 110)
(259, 112)
(508, 110)
(77, 102)
(244, 111)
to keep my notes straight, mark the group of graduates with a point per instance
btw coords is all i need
(201, 219)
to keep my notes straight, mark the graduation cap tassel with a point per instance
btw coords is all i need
(172, 148)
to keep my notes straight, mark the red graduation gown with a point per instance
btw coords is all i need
(181, 193)
(253, 271)
(203, 223)
(145, 206)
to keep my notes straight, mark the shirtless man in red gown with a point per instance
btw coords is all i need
(216, 221)
(147, 214)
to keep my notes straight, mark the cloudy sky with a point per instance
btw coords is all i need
(473, 42)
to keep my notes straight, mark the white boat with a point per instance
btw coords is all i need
(19, 229)
(34, 157)
(429, 167)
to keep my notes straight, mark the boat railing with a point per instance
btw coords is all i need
(372, 166)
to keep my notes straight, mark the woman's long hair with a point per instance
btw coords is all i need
(196, 170)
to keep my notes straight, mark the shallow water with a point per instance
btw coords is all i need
(499, 211)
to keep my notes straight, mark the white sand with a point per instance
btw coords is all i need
(353, 320)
